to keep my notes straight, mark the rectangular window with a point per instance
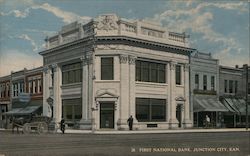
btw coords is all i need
(236, 86)
(150, 72)
(150, 110)
(72, 110)
(178, 74)
(204, 82)
(248, 88)
(196, 81)
(107, 68)
(212, 83)
(71, 73)
(230, 86)
(225, 86)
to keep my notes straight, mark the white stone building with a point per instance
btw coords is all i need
(98, 74)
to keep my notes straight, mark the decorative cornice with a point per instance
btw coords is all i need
(123, 59)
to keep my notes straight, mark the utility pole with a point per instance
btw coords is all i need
(246, 71)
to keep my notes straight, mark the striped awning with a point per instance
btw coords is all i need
(208, 105)
(238, 105)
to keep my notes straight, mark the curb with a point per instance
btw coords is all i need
(70, 131)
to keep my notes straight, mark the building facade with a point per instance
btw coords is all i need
(21, 94)
(98, 74)
(232, 95)
(5, 103)
(205, 90)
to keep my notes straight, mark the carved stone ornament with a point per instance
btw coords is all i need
(107, 22)
(172, 65)
(54, 67)
(123, 58)
(132, 59)
(45, 69)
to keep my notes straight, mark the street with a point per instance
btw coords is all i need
(220, 143)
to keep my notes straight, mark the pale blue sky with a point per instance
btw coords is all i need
(217, 27)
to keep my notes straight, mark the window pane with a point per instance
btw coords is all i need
(107, 69)
(162, 73)
(142, 109)
(178, 74)
(158, 113)
(212, 82)
(236, 86)
(145, 71)
(153, 72)
(196, 81)
(78, 111)
(138, 70)
(225, 86)
(205, 82)
(230, 86)
(142, 112)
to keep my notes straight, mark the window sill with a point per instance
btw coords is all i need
(107, 81)
(151, 83)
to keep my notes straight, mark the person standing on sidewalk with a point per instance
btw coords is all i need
(207, 121)
(130, 122)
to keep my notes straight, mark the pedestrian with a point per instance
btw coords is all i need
(207, 121)
(130, 122)
(62, 125)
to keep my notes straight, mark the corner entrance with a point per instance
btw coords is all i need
(107, 115)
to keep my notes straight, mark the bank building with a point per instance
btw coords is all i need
(98, 74)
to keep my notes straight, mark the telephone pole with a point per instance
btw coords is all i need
(246, 71)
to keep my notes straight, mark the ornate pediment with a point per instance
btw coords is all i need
(180, 98)
(106, 94)
(107, 22)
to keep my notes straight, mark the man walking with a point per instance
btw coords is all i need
(130, 122)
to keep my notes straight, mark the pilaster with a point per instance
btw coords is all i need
(85, 122)
(172, 121)
(187, 122)
(57, 92)
(131, 61)
(46, 76)
(124, 97)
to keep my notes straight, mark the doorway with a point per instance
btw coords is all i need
(178, 115)
(107, 115)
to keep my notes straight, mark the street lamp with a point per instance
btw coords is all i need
(246, 71)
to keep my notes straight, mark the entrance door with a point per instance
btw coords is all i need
(107, 115)
(178, 114)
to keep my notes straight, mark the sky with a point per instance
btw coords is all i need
(218, 27)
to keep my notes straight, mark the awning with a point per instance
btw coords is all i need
(208, 105)
(229, 103)
(238, 104)
(23, 111)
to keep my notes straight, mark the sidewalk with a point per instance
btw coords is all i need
(158, 131)
(74, 131)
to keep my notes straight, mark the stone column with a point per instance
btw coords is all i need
(124, 93)
(187, 122)
(85, 122)
(57, 111)
(46, 107)
(172, 95)
(132, 103)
